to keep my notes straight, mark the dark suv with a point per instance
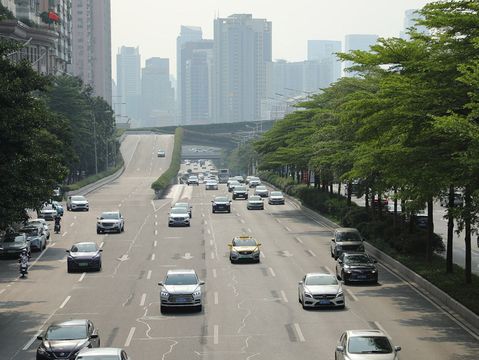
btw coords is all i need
(346, 240)
(240, 191)
(357, 267)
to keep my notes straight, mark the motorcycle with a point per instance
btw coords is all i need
(23, 268)
(57, 228)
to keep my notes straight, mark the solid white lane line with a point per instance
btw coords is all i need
(65, 302)
(101, 245)
(155, 244)
(298, 239)
(216, 298)
(72, 224)
(82, 277)
(212, 255)
(153, 257)
(283, 295)
(31, 341)
(216, 334)
(328, 270)
(64, 234)
(130, 336)
(53, 244)
(311, 252)
(299, 333)
(143, 299)
(378, 325)
(214, 273)
(350, 293)
(148, 276)
(272, 271)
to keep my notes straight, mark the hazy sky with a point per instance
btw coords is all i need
(154, 25)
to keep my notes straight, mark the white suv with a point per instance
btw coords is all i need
(77, 202)
(109, 222)
(181, 288)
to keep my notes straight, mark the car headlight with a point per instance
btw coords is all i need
(308, 295)
(234, 252)
(373, 271)
(41, 350)
(256, 251)
(340, 293)
(347, 271)
(164, 293)
(97, 255)
(338, 247)
(197, 293)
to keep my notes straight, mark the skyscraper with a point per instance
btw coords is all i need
(357, 42)
(187, 34)
(242, 58)
(92, 45)
(129, 81)
(324, 52)
(410, 20)
(158, 98)
(197, 72)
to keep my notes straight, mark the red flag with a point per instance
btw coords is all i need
(53, 16)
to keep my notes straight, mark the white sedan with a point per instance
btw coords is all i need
(320, 290)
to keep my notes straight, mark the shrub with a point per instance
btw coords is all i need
(165, 180)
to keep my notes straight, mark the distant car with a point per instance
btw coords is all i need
(193, 180)
(185, 205)
(110, 221)
(261, 191)
(239, 179)
(161, 153)
(181, 288)
(58, 207)
(63, 340)
(458, 199)
(391, 208)
(77, 202)
(40, 222)
(356, 267)
(276, 198)
(211, 184)
(376, 201)
(84, 256)
(346, 240)
(365, 344)
(247, 179)
(255, 202)
(47, 212)
(102, 354)
(244, 248)
(254, 181)
(36, 236)
(179, 217)
(240, 191)
(421, 219)
(13, 244)
(320, 290)
(221, 203)
(231, 185)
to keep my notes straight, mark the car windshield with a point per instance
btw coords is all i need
(30, 231)
(48, 207)
(78, 198)
(244, 242)
(276, 193)
(255, 198)
(357, 259)
(240, 188)
(88, 247)
(110, 216)
(261, 188)
(181, 279)
(369, 345)
(348, 236)
(221, 199)
(178, 210)
(13, 238)
(321, 280)
(56, 332)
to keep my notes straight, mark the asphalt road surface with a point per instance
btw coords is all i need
(251, 310)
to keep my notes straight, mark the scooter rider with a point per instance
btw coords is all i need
(57, 226)
(23, 260)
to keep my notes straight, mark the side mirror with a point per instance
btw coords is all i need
(375, 261)
(161, 283)
(397, 348)
(39, 337)
(230, 245)
(300, 282)
(333, 240)
(259, 244)
(101, 250)
(340, 348)
(98, 218)
(93, 336)
(67, 251)
(340, 261)
(202, 282)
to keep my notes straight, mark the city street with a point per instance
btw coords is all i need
(251, 311)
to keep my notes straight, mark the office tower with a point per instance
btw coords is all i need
(197, 72)
(242, 58)
(288, 78)
(357, 42)
(324, 52)
(187, 34)
(410, 20)
(158, 98)
(129, 81)
(92, 45)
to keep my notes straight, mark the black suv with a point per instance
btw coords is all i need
(240, 191)
(357, 267)
(221, 203)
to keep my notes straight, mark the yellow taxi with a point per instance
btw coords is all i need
(244, 248)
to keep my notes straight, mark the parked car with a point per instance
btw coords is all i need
(221, 203)
(320, 290)
(102, 354)
(40, 222)
(458, 199)
(47, 212)
(276, 198)
(346, 240)
(36, 236)
(420, 218)
(110, 221)
(58, 207)
(77, 202)
(63, 340)
(12, 244)
(181, 288)
(365, 344)
(84, 256)
(356, 267)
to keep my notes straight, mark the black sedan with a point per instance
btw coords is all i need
(356, 267)
(221, 203)
(84, 256)
(65, 339)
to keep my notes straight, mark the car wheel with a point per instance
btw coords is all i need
(98, 231)
(69, 269)
(98, 268)
(199, 308)
(213, 211)
(162, 309)
(342, 307)
(229, 210)
(338, 276)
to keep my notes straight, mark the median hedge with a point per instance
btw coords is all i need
(404, 243)
(165, 180)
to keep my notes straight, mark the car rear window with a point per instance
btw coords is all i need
(348, 236)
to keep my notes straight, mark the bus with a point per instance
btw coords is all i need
(223, 175)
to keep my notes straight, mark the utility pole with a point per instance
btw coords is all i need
(94, 139)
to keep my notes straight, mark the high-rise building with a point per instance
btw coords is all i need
(357, 42)
(92, 45)
(158, 98)
(324, 52)
(197, 72)
(187, 34)
(242, 59)
(410, 21)
(128, 67)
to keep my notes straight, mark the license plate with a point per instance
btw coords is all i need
(362, 277)
(83, 264)
(181, 300)
(324, 302)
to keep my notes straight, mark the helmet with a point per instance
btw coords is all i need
(24, 252)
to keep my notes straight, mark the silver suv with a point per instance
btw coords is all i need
(77, 202)
(346, 240)
(181, 288)
(110, 221)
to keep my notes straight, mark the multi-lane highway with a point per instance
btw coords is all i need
(251, 311)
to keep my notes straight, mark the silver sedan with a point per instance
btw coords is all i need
(320, 290)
